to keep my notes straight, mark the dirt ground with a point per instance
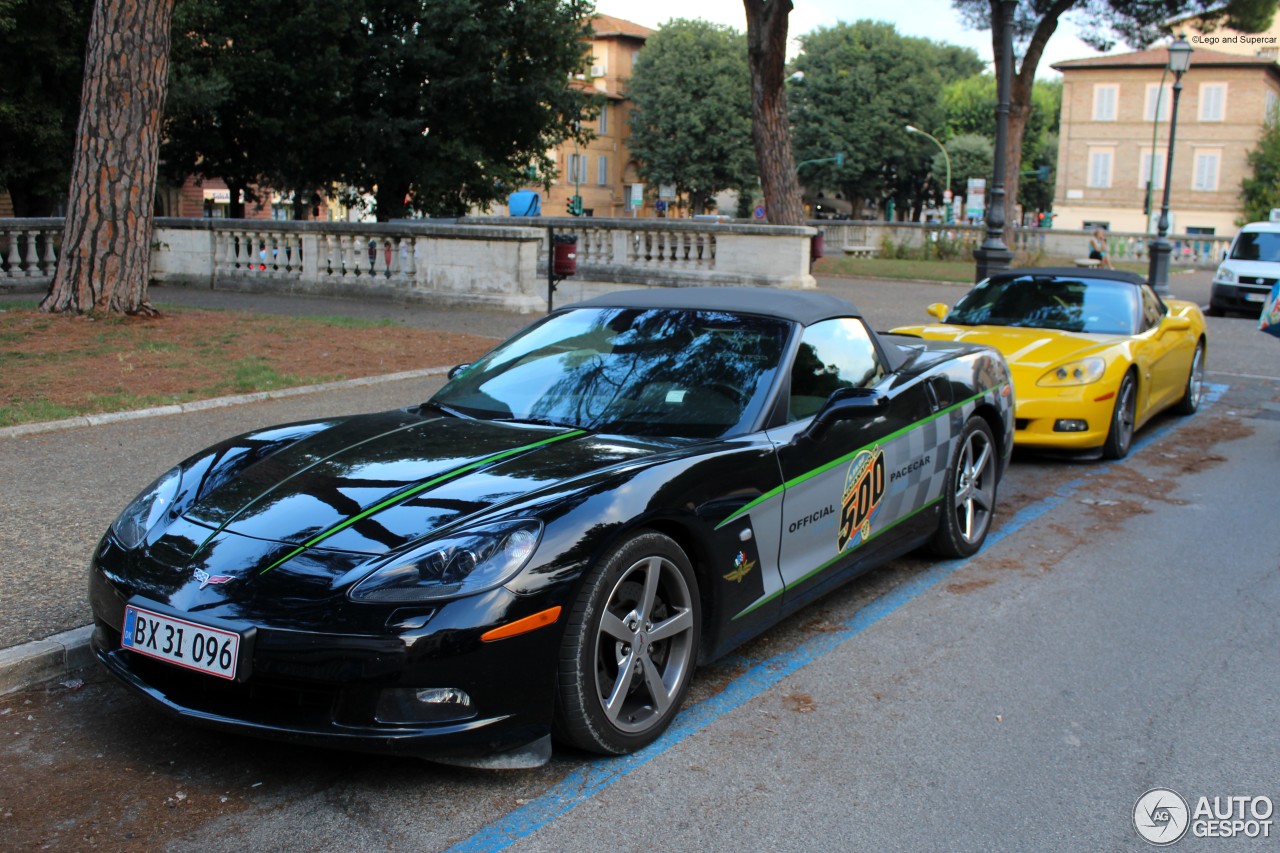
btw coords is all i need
(66, 366)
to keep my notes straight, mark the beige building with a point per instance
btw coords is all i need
(1115, 135)
(603, 172)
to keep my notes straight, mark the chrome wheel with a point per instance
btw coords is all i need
(630, 647)
(969, 497)
(644, 645)
(974, 497)
(1123, 417)
(1194, 393)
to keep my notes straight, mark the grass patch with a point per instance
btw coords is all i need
(59, 367)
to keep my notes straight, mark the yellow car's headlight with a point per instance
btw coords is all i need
(1081, 372)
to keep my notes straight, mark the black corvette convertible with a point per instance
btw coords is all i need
(550, 544)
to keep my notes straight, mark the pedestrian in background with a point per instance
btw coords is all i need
(1098, 248)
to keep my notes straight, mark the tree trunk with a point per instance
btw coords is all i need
(106, 242)
(770, 125)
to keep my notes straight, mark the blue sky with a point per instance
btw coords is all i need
(933, 19)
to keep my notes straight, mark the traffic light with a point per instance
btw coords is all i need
(573, 205)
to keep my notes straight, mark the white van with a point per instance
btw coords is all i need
(1252, 266)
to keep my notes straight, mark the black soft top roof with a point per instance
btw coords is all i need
(799, 306)
(1076, 273)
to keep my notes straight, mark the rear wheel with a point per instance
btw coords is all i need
(969, 494)
(629, 648)
(1120, 435)
(1194, 392)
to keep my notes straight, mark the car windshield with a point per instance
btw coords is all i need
(677, 373)
(1094, 305)
(1256, 246)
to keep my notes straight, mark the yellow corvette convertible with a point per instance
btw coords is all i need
(1095, 354)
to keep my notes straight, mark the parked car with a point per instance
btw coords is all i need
(1251, 268)
(551, 543)
(1095, 354)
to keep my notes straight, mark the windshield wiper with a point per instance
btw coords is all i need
(536, 422)
(453, 413)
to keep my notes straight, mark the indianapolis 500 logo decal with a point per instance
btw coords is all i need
(863, 488)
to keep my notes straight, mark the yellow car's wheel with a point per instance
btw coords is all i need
(1194, 392)
(1120, 436)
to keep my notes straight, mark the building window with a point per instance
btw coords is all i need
(604, 119)
(1273, 101)
(1157, 94)
(602, 171)
(1100, 168)
(1213, 101)
(1205, 178)
(1151, 169)
(1104, 101)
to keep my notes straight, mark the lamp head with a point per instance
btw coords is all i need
(1179, 56)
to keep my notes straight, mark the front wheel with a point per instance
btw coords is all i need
(1123, 417)
(969, 494)
(1194, 392)
(629, 648)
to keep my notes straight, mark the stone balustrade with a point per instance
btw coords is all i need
(502, 262)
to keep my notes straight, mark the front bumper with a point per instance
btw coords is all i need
(1239, 297)
(330, 689)
(1035, 419)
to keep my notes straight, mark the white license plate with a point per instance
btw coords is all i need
(1255, 297)
(181, 642)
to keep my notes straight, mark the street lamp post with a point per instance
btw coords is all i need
(1160, 249)
(946, 195)
(993, 255)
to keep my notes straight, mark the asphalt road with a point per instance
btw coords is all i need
(1117, 634)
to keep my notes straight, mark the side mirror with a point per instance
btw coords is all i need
(1175, 324)
(845, 404)
(456, 369)
(938, 310)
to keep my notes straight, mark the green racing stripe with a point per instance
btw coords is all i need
(402, 496)
(795, 481)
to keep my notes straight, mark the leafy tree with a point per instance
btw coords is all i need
(862, 84)
(257, 96)
(770, 125)
(456, 102)
(691, 113)
(106, 242)
(41, 66)
(1261, 191)
(1136, 22)
(970, 106)
(971, 157)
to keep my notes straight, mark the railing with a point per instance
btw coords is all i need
(29, 251)
(679, 252)
(481, 261)
(1191, 250)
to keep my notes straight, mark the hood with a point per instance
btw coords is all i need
(1269, 270)
(1027, 347)
(367, 486)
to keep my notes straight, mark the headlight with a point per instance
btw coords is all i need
(1226, 276)
(463, 563)
(147, 509)
(1080, 372)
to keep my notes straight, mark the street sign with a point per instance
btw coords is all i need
(759, 212)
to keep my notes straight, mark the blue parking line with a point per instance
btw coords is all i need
(595, 776)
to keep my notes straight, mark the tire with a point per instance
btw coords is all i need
(1194, 391)
(1214, 310)
(969, 493)
(1120, 435)
(630, 646)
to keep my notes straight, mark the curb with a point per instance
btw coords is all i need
(213, 403)
(25, 666)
